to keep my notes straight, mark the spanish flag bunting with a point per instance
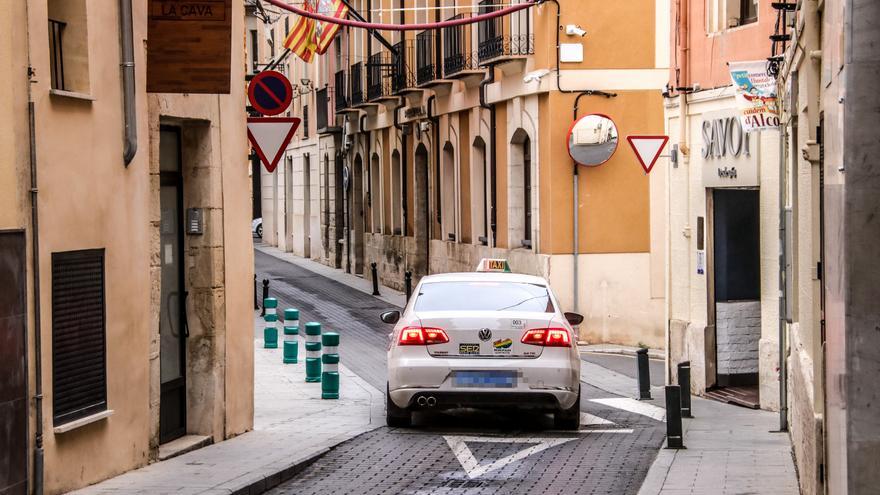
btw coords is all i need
(301, 39)
(325, 31)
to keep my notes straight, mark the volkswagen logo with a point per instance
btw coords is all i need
(485, 334)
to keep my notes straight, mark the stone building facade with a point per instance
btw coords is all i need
(452, 146)
(126, 334)
(723, 217)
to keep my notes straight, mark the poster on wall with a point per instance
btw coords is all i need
(755, 95)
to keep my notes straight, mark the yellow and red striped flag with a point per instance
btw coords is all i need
(301, 38)
(325, 31)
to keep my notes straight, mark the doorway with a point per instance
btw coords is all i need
(13, 368)
(737, 292)
(420, 210)
(307, 206)
(357, 214)
(172, 317)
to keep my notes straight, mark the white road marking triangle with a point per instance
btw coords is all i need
(472, 467)
(590, 420)
(634, 406)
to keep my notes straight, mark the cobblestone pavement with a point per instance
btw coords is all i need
(459, 452)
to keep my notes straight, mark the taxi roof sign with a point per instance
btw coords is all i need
(493, 265)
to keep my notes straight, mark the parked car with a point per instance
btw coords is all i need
(257, 227)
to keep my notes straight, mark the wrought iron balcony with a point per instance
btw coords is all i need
(506, 37)
(427, 68)
(357, 84)
(379, 74)
(403, 77)
(459, 49)
(340, 91)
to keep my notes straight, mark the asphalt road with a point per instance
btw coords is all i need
(466, 451)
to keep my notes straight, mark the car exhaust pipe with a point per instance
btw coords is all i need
(422, 401)
(432, 401)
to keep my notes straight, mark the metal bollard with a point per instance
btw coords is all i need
(684, 381)
(270, 331)
(291, 331)
(265, 294)
(644, 374)
(330, 362)
(674, 438)
(375, 278)
(256, 296)
(407, 282)
(313, 351)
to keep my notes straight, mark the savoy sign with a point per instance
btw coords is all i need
(727, 152)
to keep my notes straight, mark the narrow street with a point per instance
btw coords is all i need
(462, 451)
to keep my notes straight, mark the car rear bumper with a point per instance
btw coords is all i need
(550, 381)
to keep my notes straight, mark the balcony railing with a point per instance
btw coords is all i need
(379, 69)
(459, 51)
(404, 65)
(427, 68)
(341, 91)
(357, 84)
(504, 37)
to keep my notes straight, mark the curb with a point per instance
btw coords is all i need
(272, 480)
(652, 353)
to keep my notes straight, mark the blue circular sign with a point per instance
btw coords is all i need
(270, 92)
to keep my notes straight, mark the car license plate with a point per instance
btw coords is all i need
(469, 349)
(486, 379)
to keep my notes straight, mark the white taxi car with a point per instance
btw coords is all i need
(489, 339)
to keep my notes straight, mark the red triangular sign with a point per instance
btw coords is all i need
(269, 137)
(647, 149)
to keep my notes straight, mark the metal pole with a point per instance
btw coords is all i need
(375, 278)
(256, 297)
(684, 382)
(265, 295)
(407, 282)
(644, 376)
(674, 437)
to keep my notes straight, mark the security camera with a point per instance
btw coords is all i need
(535, 76)
(575, 30)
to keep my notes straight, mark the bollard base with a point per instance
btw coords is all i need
(330, 385)
(329, 395)
(270, 346)
(290, 361)
(675, 443)
(311, 379)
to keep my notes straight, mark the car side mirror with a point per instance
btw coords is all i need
(574, 318)
(390, 316)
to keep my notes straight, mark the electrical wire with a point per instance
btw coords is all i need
(403, 27)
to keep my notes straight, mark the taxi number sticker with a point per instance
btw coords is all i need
(469, 349)
(517, 324)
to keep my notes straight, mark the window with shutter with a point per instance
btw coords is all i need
(79, 376)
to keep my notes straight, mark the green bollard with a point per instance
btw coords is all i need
(270, 331)
(330, 360)
(313, 352)
(291, 330)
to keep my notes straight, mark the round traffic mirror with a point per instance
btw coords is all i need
(592, 140)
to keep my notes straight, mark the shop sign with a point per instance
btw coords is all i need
(729, 159)
(755, 95)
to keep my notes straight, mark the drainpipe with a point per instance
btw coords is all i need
(129, 109)
(435, 124)
(490, 78)
(783, 281)
(404, 162)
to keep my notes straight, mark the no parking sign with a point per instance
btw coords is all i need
(270, 92)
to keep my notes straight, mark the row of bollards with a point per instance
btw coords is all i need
(678, 397)
(323, 368)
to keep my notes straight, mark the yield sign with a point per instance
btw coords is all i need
(647, 149)
(474, 469)
(269, 137)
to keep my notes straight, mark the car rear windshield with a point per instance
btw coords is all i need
(484, 296)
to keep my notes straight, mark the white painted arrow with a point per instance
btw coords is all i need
(472, 467)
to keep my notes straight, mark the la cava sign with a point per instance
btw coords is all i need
(728, 157)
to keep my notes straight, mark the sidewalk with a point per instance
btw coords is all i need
(730, 450)
(292, 427)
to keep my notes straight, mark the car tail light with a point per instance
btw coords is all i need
(547, 337)
(422, 336)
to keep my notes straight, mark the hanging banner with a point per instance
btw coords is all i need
(755, 95)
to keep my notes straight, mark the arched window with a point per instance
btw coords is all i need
(520, 193)
(479, 192)
(375, 194)
(448, 188)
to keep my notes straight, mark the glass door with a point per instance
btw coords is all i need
(172, 317)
